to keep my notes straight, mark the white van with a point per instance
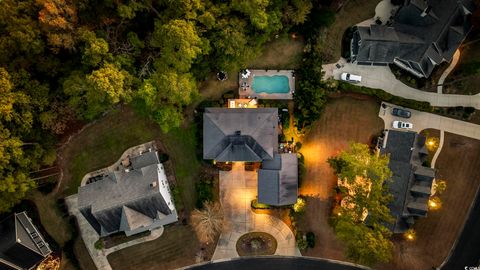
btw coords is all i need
(351, 78)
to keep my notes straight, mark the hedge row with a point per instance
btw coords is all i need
(384, 96)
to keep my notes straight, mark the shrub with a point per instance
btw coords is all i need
(382, 95)
(204, 189)
(469, 110)
(310, 239)
(99, 244)
(256, 205)
(163, 157)
(301, 168)
(299, 206)
(47, 185)
(298, 146)
(301, 241)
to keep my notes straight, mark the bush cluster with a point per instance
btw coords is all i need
(380, 94)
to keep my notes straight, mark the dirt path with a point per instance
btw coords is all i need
(329, 135)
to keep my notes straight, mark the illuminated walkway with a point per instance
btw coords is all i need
(237, 189)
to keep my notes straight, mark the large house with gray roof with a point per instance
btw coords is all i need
(133, 199)
(423, 34)
(411, 183)
(21, 244)
(251, 135)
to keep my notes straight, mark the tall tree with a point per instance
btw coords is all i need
(93, 94)
(179, 44)
(58, 18)
(165, 94)
(362, 175)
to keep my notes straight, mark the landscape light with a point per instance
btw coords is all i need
(410, 235)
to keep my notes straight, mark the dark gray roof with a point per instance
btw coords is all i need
(145, 159)
(422, 32)
(125, 198)
(411, 182)
(278, 185)
(240, 134)
(21, 244)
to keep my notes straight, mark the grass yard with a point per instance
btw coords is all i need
(281, 53)
(175, 248)
(354, 12)
(458, 165)
(469, 61)
(345, 119)
(102, 143)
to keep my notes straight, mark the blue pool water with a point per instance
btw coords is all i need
(277, 84)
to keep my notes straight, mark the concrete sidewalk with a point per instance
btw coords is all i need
(382, 78)
(237, 189)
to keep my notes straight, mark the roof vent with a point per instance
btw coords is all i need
(238, 132)
(153, 184)
(127, 170)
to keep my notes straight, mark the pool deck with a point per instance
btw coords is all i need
(248, 92)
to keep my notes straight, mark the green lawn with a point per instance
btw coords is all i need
(102, 143)
(464, 78)
(354, 12)
(175, 248)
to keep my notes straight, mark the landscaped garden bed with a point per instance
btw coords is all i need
(256, 243)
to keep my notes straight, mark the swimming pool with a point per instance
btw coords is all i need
(277, 84)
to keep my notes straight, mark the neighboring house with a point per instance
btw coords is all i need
(411, 183)
(251, 135)
(423, 34)
(21, 244)
(133, 199)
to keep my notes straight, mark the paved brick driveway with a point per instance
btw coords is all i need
(237, 189)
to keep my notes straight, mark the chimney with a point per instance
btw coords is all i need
(153, 184)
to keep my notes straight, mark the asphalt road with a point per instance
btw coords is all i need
(277, 263)
(467, 249)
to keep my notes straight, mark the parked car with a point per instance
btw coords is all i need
(401, 113)
(350, 78)
(402, 125)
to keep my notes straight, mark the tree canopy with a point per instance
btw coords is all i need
(362, 175)
(65, 60)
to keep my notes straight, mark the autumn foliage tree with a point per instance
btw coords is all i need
(58, 19)
(366, 237)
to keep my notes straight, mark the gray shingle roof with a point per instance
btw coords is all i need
(124, 199)
(411, 182)
(240, 134)
(278, 185)
(21, 244)
(418, 37)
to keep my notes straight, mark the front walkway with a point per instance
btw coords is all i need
(382, 78)
(90, 236)
(237, 189)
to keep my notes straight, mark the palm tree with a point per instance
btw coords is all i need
(207, 222)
